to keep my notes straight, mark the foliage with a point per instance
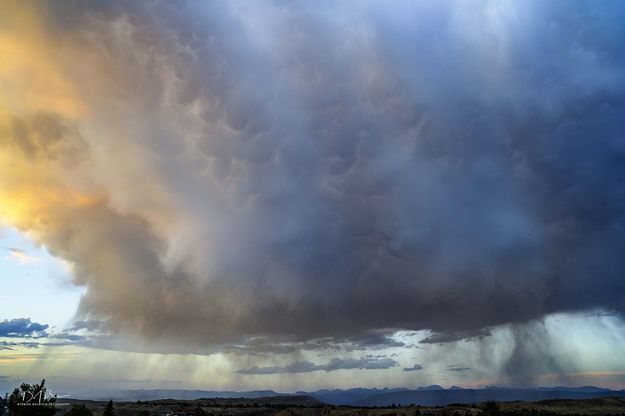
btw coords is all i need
(31, 400)
(79, 410)
(109, 410)
(491, 409)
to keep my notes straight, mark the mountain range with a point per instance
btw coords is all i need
(433, 395)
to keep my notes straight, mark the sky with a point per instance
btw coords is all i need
(297, 195)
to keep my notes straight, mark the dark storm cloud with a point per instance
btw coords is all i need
(364, 363)
(338, 170)
(22, 328)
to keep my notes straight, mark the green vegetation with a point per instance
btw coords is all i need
(32, 400)
(304, 406)
(109, 410)
(491, 409)
(79, 410)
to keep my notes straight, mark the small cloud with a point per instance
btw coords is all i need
(22, 328)
(263, 370)
(453, 336)
(69, 337)
(89, 325)
(376, 356)
(416, 367)
(373, 341)
(21, 256)
(9, 345)
(457, 368)
(334, 364)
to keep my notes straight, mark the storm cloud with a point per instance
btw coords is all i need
(219, 171)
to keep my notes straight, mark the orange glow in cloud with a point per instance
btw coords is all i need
(11, 358)
(30, 188)
(31, 82)
(30, 79)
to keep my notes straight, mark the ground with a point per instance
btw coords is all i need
(306, 406)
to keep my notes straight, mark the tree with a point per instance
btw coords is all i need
(31, 400)
(490, 408)
(109, 410)
(79, 410)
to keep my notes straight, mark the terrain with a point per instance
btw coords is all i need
(433, 395)
(307, 406)
(432, 400)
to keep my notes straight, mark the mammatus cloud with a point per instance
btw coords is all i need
(364, 363)
(22, 328)
(297, 170)
(416, 367)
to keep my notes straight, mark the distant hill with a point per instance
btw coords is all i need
(276, 401)
(456, 395)
(179, 394)
(306, 406)
(351, 396)
(425, 396)
(596, 406)
(342, 397)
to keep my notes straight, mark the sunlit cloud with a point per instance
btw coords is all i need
(22, 257)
